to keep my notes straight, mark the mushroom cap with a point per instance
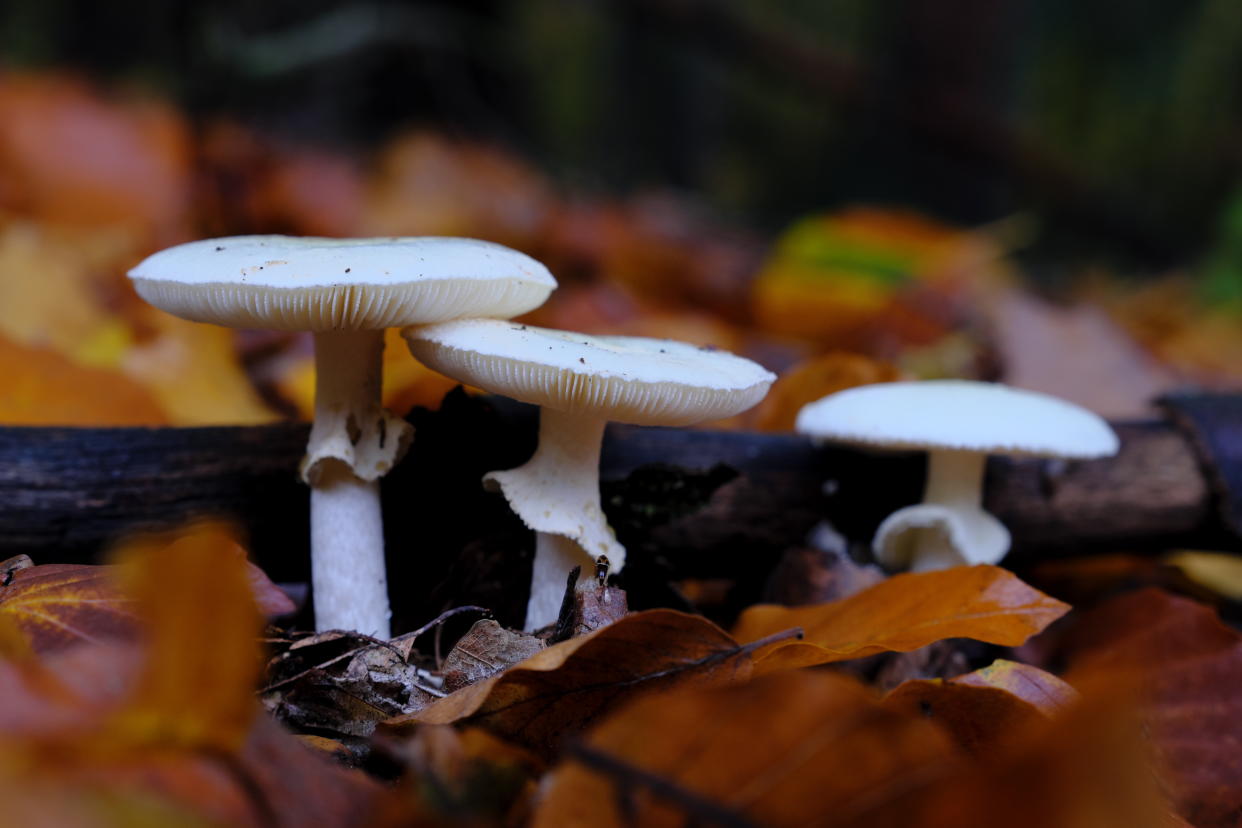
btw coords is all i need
(959, 415)
(318, 284)
(628, 379)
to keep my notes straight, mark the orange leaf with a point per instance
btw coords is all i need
(813, 379)
(69, 155)
(44, 388)
(201, 625)
(904, 613)
(561, 689)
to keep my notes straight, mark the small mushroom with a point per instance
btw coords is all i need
(580, 383)
(959, 423)
(345, 291)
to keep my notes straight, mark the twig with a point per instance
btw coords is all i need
(784, 635)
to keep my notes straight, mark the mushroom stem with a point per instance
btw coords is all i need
(555, 556)
(348, 577)
(556, 493)
(950, 527)
(955, 478)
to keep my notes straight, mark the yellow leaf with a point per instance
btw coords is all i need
(1218, 571)
(194, 371)
(196, 687)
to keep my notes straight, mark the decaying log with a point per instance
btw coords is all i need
(697, 504)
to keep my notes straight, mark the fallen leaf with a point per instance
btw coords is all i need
(59, 288)
(43, 388)
(814, 379)
(1218, 571)
(56, 605)
(461, 777)
(170, 717)
(903, 613)
(425, 184)
(798, 748)
(1112, 375)
(989, 709)
(1188, 666)
(53, 606)
(200, 640)
(69, 154)
(485, 650)
(565, 687)
(1048, 694)
(343, 684)
(816, 748)
(194, 371)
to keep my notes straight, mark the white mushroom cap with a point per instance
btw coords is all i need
(623, 378)
(319, 284)
(959, 415)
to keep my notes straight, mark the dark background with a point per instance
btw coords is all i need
(1115, 126)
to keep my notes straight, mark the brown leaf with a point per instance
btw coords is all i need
(798, 748)
(461, 777)
(904, 613)
(565, 687)
(981, 720)
(1112, 375)
(815, 748)
(1047, 693)
(1189, 668)
(56, 605)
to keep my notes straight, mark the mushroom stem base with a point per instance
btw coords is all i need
(348, 577)
(949, 528)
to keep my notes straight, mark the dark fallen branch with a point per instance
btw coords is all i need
(717, 505)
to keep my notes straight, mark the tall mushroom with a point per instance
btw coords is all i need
(959, 423)
(345, 291)
(580, 383)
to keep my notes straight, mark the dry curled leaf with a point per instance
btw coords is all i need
(565, 687)
(904, 613)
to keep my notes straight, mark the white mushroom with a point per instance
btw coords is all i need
(580, 382)
(346, 291)
(959, 423)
